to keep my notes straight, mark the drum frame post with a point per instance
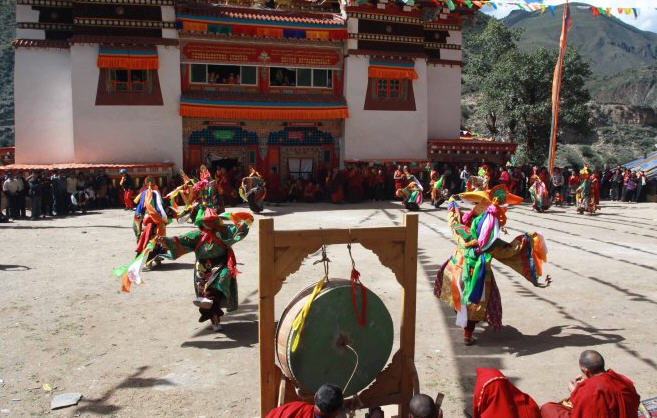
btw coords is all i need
(281, 254)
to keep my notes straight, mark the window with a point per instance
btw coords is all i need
(224, 74)
(300, 77)
(128, 88)
(199, 73)
(300, 168)
(389, 94)
(388, 89)
(130, 81)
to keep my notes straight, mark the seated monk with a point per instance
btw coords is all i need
(328, 404)
(494, 396)
(422, 406)
(596, 393)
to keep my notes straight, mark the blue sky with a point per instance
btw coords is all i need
(647, 19)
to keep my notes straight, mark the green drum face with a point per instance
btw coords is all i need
(331, 324)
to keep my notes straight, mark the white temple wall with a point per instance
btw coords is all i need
(444, 101)
(126, 134)
(43, 107)
(383, 134)
(25, 14)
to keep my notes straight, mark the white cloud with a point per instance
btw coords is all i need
(647, 19)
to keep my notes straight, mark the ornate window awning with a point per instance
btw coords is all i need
(289, 108)
(128, 59)
(392, 70)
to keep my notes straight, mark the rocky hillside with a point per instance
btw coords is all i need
(7, 33)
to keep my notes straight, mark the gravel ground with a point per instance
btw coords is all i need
(64, 322)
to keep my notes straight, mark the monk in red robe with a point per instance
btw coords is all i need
(328, 404)
(496, 397)
(596, 393)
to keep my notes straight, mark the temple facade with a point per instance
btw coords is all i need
(294, 89)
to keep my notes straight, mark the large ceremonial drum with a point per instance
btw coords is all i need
(322, 355)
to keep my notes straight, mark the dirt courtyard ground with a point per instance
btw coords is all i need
(64, 322)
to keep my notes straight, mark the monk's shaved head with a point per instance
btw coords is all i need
(422, 406)
(592, 361)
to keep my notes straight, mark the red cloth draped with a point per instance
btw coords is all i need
(127, 199)
(293, 410)
(606, 395)
(495, 397)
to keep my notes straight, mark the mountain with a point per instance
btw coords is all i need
(609, 45)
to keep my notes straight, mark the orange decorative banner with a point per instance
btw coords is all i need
(262, 113)
(392, 73)
(123, 59)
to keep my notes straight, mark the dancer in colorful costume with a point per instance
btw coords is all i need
(253, 191)
(183, 198)
(585, 195)
(465, 281)
(215, 271)
(438, 193)
(539, 195)
(150, 220)
(412, 193)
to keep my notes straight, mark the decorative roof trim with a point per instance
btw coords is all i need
(131, 2)
(388, 11)
(436, 45)
(297, 24)
(386, 54)
(268, 15)
(48, 3)
(131, 23)
(385, 18)
(40, 43)
(378, 37)
(440, 26)
(431, 61)
(121, 40)
(45, 26)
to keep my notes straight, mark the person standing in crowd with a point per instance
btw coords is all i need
(101, 184)
(45, 189)
(126, 187)
(573, 184)
(71, 187)
(629, 188)
(10, 187)
(22, 194)
(58, 194)
(464, 178)
(35, 196)
(640, 186)
(616, 184)
(556, 182)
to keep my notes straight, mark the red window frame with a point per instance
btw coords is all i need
(387, 88)
(130, 85)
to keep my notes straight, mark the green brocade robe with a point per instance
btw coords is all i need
(211, 258)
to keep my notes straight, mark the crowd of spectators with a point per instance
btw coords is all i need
(60, 192)
(54, 193)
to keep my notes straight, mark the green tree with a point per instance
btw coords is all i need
(516, 90)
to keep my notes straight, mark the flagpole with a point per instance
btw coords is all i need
(556, 87)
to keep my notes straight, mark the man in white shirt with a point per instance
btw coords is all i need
(10, 188)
